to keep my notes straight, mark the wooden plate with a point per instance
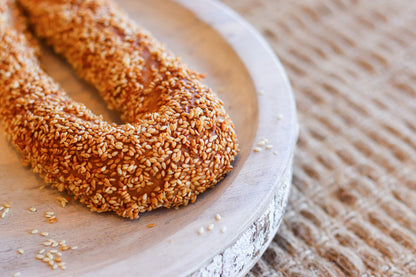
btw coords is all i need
(251, 200)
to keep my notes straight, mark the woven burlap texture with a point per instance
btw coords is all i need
(352, 66)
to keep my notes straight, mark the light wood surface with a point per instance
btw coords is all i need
(251, 200)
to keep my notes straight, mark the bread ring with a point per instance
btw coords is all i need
(177, 141)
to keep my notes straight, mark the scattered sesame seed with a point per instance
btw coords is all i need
(41, 251)
(39, 257)
(74, 247)
(47, 243)
(34, 231)
(269, 146)
(32, 209)
(20, 251)
(63, 201)
(44, 234)
(223, 229)
(200, 230)
(261, 143)
(218, 217)
(275, 152)
(17, 274)
(49, 214)
(5, 208)
(52, 219)
(280, 117)
(257, 149)
(210, 227)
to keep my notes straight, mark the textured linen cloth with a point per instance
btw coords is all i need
(352, 65)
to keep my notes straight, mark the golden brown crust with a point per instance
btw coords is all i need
(177, 141)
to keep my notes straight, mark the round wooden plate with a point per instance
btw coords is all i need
(251, 200)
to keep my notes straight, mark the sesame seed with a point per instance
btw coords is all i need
(268, 147)
(34, 231)
(62, 201)
(17, 274)
(44, 234)
(280, 117)
(218, 217)
(210, 227)
(223, 229)
(49, 214)
(32, 209)
(261, 143)
(257, 149)
(52, 219)
(275, 152)
(20, 251)
(200, 230)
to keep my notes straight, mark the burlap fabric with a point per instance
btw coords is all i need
(352, 65)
